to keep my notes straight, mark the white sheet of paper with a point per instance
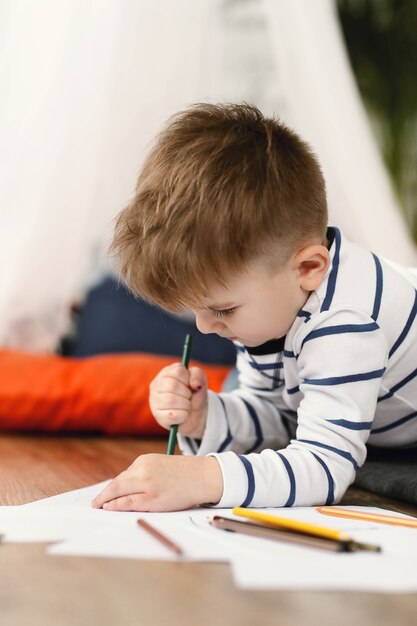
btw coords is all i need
(135, 542)
(326, 571)
(287, 566)
(21, 524)
(77, 497)
(256, 563)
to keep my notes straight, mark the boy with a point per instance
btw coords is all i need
(230, 219)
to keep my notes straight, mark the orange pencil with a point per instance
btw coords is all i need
(394, 520)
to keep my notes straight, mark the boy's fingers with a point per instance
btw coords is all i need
(178, 371)
(132, 502)
(172, 385)
(171, 417)
(171, 401)
(120, 486)
(198, 378)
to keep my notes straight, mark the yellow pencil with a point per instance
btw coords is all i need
(368, 517)
(302, 527)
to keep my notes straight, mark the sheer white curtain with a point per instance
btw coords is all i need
(86, 84)
(322, 103)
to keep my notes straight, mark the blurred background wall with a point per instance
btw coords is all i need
(86, 84)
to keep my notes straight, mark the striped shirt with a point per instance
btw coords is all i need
(296, 429)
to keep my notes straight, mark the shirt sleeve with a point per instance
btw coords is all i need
(250, 418)
(341, 357)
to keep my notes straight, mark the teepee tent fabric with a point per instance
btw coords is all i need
(85, 86)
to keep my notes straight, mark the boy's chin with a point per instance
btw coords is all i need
(251, 343)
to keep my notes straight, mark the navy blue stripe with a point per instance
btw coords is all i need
(192, 444)
(304, 314)
(229, 437)
(293, 390)
(341, 380)
(289, 354)
(399, 422)
(225, 442)
(398, 386)
(257, 424)
(265, 366)
(343, 453)
(331, 284)
(406, 328)
(378, 288)
(291, 498)
(251, 480)
(330, 493)
(251, 361)
(341, 329)
(352, 425)
(387, 395)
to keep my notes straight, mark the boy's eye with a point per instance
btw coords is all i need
(222, 312)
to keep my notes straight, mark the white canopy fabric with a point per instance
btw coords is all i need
(85, 86)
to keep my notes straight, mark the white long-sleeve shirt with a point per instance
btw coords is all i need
(295, 431)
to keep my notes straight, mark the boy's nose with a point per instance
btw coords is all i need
(207, 325)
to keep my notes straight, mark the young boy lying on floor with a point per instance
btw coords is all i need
(229, 218)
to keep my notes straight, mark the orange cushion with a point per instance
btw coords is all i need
(105, 393)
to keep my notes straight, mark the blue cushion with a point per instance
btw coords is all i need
(112, 320)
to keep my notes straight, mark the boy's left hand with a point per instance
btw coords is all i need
(160, 482)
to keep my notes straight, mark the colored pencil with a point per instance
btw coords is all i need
(276, 534)
(294, 525)
(368, 517)
(306, 528)
(160, 537)
(185, 361)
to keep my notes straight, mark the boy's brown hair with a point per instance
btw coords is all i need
(222, 186)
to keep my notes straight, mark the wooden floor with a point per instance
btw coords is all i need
(41, 590)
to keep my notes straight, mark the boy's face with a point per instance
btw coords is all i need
(255, 307)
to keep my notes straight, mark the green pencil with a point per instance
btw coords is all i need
(186, 353)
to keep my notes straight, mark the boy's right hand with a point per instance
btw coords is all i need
(179, 396)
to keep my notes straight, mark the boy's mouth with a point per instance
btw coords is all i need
(227, 337)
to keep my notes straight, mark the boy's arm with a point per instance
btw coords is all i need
(340, 375)
(252, 417)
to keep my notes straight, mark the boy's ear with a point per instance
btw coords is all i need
(311, 263)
